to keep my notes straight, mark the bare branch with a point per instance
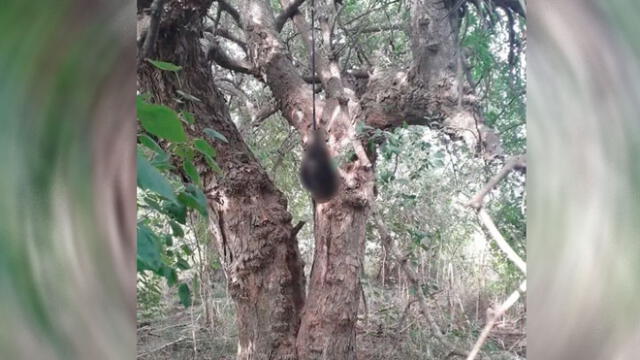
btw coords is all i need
(518, 162)
(375, 29)
(264, 113)
(494, 318)
(221, 58)
(231, 37)
(488, 223)
(291, 10)
(226, 7)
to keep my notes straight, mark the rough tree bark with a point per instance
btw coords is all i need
(248, 213)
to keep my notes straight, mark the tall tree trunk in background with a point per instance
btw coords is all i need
(247, 212)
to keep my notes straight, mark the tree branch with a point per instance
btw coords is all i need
(494, 318)
(231, 37)
(226, 7)
(291, 10)
(488, 223)
(221, 58)
(518, 163)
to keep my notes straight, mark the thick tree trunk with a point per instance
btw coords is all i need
(248, 214)
(330, 313)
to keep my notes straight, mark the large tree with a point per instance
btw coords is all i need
(279, 317)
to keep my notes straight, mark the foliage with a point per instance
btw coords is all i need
(168, 193)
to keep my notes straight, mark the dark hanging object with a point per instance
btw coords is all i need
(318, 174)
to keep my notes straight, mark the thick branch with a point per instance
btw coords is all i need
(291, 10)
(230, 36)
(226, 7)
(221, 58)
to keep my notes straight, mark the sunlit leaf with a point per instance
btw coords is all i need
(150, 178)
(163, 65)
(161, 121)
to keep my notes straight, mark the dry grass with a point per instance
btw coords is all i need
(389, 331)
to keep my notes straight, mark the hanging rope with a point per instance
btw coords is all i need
(313, 62)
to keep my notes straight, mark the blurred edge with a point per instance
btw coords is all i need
(584, 203)
(67, 188)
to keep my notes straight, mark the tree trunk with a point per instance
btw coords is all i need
(246, 211)
(330, 313)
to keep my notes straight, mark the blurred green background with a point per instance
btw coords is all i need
(67, 270)
(67, 185)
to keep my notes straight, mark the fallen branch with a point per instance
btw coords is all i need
(494, 318)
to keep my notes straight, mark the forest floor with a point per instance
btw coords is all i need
(383, 333)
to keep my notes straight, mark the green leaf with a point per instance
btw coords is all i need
(151, 179)
(186, 249)
(194, 198)
(212, 164)
(148, 249)
(176, 229)
(163, 65)
(171, 275)
(188, 117)
(182, 264)
(215, 135)
(204, 147)
(147, 141)
(184, 152)
(191, 170)
(161, 121)
(185, 295)
(177, 211)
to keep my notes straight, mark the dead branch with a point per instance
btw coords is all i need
(494, 318)
(518, 162)
(488, 223)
